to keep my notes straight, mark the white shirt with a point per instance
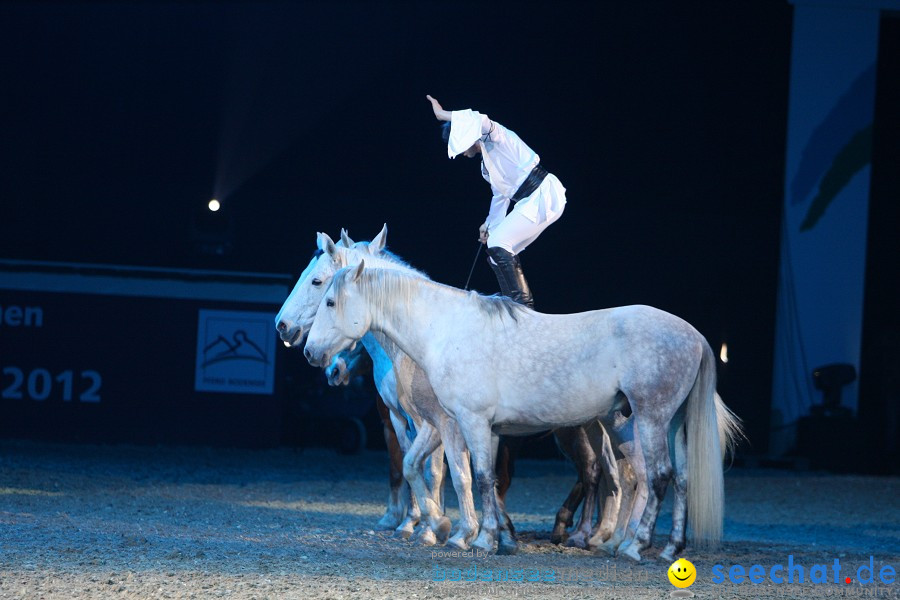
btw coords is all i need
(506, 163)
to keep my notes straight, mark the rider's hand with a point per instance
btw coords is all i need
(439, 112)
(483, 233)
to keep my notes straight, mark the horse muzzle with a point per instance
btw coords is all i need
(337, 373)
(315, 357)
(290, 334)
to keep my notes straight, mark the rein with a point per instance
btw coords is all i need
(474, 262)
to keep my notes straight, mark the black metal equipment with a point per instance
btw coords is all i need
(831, 379)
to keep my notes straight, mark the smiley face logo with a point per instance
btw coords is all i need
(682, 573)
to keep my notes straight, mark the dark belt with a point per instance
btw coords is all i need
(531, 183)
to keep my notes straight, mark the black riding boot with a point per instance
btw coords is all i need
(504, 287)
(509, 274)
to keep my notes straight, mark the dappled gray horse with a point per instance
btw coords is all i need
(637, 355)
(575, 444)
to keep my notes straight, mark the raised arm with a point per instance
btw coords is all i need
(446, 115)
(439, 112)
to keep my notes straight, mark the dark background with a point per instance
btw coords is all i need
(665, 122)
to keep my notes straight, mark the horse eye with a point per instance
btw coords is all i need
(329, 303)
(317, 282)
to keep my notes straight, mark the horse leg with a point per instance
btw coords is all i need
(565, 437)
(414, 514)
(507, 451)
(589, 473)
(426, 442)
(679, 507)
(654, 441)
(415, 391)
(612, 490)
(617, 443)
(477, 433)
(435, 482)
(453, 443)
(508, 543)
(566, 512)
(399, 494)
(461, 475)
(626, 508)
(436, 476)
(632, 469)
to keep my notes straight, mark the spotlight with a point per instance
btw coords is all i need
(212, 228)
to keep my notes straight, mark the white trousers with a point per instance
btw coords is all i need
(516, 231)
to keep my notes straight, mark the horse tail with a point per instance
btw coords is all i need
(730, 430)
(709, 433)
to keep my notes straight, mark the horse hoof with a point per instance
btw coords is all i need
(576, 541)
(403, 533)
(427, 537)
(598, 539)
(630, 552)
(442, 529)
(669, 553)
(458, 541)
(388, 522)
(484, 543)
(557, 538)
(507, 548)
(605, 549)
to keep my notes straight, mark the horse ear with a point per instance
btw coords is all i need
(345, 238)
(355, 273)
(379, 241)
(326, 244)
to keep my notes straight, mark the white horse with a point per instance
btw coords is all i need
(573, 441)
(636, 355)
(404, 388)
(294, 320)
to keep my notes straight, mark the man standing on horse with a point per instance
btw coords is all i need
(514, 172)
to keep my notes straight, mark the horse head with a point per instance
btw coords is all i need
(345, 365)
(342, 318)
(297, 313)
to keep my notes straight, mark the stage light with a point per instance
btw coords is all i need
(212, 229)
(723, 353)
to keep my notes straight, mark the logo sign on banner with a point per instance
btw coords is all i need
(235, 352)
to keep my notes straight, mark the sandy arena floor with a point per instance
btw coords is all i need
(129, 522)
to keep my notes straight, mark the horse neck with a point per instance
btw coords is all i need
(408, 324)
(381, 358)
(388, 349)
(381, 344)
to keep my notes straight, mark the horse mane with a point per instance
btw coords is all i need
(386, 255)
(496, 304)
(393, 287)
(492, 304)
